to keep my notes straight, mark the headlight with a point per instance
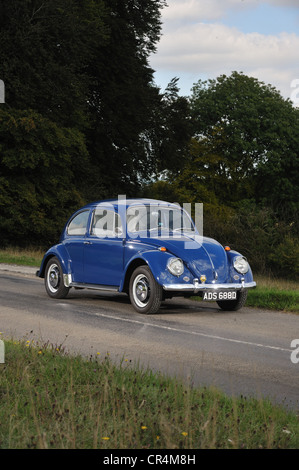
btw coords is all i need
(241, 265)
(175, 266)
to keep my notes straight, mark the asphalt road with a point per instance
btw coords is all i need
(246, 352)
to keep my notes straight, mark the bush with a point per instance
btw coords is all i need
(284, 259)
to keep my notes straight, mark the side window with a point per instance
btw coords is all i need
(106, 223)
(78, 224)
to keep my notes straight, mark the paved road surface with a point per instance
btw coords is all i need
(246, 352)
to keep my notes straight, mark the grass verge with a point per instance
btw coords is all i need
(23, 257)
(52, 400)
(275, 294)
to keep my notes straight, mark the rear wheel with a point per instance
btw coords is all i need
(236, 304)
(145, 293)
(54, 279)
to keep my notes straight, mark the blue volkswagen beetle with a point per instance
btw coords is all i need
(150, 250)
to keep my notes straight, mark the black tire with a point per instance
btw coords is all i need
(144, 291)
(234, 304)
(54, 280)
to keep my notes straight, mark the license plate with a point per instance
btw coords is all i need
(220, 295)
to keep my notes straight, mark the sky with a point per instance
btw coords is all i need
(203, 39)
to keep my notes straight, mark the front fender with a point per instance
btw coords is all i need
(61, 253)
(248, 277)
(157, 262)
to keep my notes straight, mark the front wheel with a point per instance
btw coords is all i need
(54, 279)
(145, 293)
(236, 304)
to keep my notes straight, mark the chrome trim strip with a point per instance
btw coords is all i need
(197, 287)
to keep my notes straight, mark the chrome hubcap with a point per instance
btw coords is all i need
(141, 290)
(53, 278)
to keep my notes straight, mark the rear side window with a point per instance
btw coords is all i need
(78, 224)
(106, 223)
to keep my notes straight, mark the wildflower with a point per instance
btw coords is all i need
(184, 434)
(105, 438)
(158, 437)
(143, 427)
(286, 431)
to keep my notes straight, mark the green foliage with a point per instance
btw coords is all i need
(82, 68)
(46, 51)
(285, 256)
(42, 166)
(169, 133)
(253, 135)
(84, 65)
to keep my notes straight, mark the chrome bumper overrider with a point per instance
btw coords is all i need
(198, 287)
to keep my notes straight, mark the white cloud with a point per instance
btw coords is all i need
(214, 10)
(210, 46)
(284, 3)
(192, 47)
(202, 10)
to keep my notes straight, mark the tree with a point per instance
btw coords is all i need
(124, 97)
(84, 64)
(169, 132)
(47, 47)
(253, 132)
(38, 188)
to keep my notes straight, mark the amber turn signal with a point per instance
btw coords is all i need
(227, 248)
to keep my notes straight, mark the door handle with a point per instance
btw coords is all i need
(87, 243)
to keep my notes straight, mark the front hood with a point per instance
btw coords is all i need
(201, 255)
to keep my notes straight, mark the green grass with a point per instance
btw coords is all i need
(23, 257)
(49, 399)
(278, 294)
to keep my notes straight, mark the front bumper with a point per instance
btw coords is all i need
(201, 287)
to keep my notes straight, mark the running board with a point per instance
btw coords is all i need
(82, 285)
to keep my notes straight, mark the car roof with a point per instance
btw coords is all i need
(128, 202)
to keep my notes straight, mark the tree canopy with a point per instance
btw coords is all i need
(248, 134)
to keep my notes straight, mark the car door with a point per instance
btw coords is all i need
(74, 243)
(104, 249)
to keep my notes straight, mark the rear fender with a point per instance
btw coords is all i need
(61, 253)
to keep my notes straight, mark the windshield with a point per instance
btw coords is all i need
(158, 218)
